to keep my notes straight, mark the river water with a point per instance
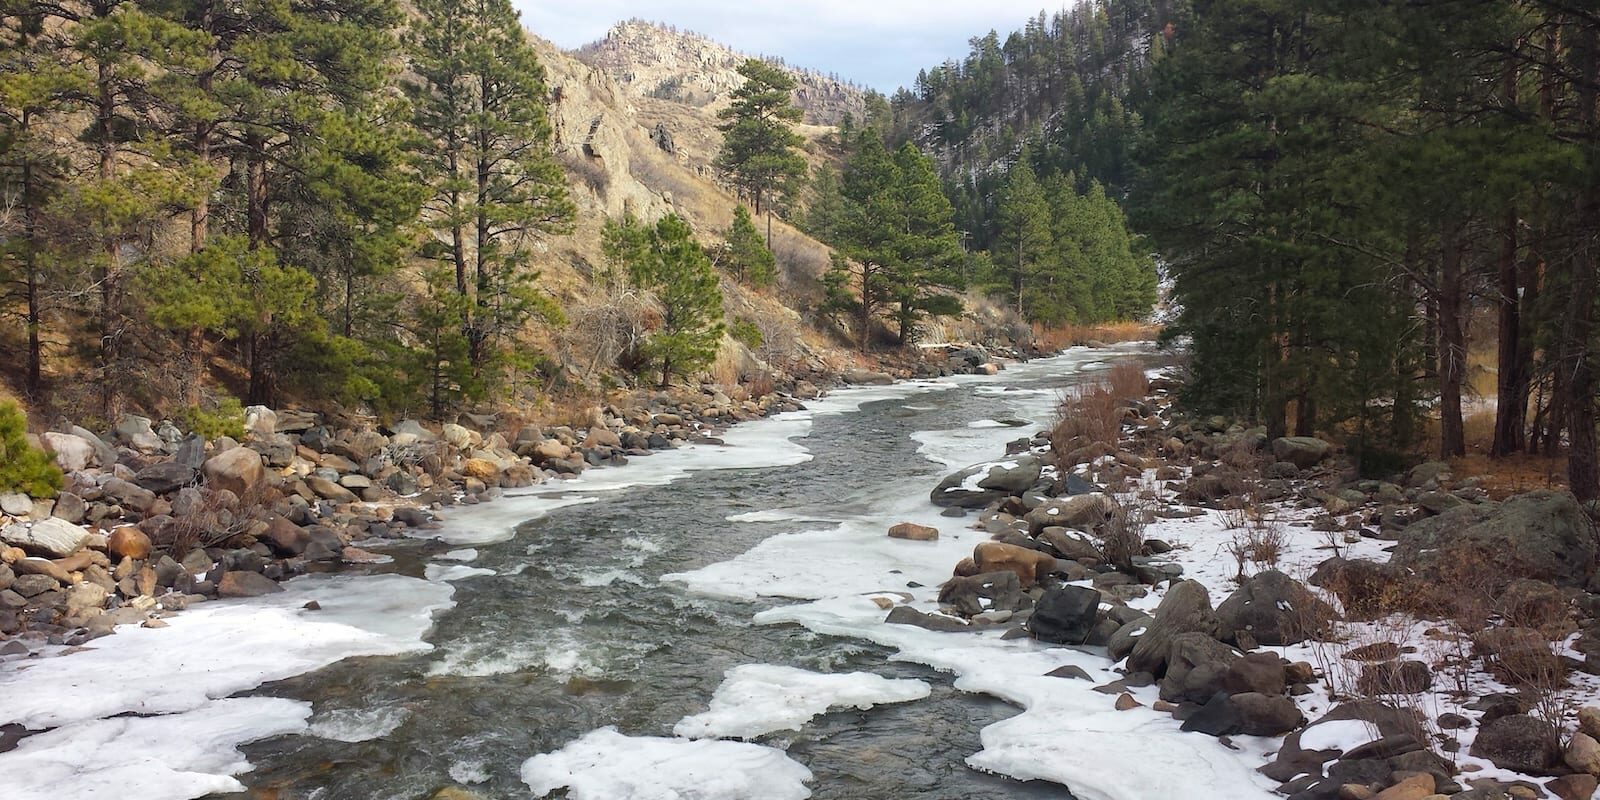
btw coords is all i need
(621, 601)
(576, 629)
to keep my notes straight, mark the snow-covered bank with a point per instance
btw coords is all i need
(109, 702)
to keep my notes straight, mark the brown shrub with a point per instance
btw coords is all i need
(1127, 381)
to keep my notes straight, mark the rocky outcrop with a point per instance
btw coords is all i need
(978, 485)
(651, 60)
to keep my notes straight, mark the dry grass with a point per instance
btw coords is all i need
(1127, 381)
(1053, 339)
(1087, 414)
(574, 409)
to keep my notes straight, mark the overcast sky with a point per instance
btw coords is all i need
(878, 43)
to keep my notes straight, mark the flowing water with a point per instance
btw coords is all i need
(576, 628)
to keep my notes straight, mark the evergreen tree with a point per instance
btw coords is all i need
(745, 254)
(35, 83)
(666, 260)
(484, 151)
(1022, 243)
(928, 253)
(760, 150)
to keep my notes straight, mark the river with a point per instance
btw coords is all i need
(620, 602)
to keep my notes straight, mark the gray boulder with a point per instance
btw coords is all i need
(1519, 742)
(1302, 451)
(163, 477)
(866, 377)
(1274, 609)
(1082, 511)
(1197, 668)
(1066, 615)
(1540, 535)
(978, 485)
(52, 537)
(1185, 609)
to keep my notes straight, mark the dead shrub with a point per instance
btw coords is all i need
(1087, 414)
(1127, 381)
(1122, 534)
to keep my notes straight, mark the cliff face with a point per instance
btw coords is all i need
(650, 60)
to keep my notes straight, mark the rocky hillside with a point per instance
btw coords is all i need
(652, 60)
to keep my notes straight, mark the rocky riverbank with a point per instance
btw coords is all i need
(153, 519)
(1351, 638)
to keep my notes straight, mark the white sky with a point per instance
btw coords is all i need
(878, 43)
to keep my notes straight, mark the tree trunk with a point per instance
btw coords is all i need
(1583, 466)
(865, 333)
(1511, 405)
(111, 396)
(30, 233)
(1452, 344)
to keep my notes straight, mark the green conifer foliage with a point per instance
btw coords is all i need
(745, 254)
(24, 468)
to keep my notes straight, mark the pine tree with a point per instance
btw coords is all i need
(928, 253)
(484, 150)
(666, 260)
(35, 83)
(1023, 218)
(745, 254)
(760, 150)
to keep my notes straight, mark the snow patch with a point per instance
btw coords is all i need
(757, 699)
(606, 765)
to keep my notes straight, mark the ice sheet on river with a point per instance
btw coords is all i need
(757, 699)
(606, 765)
(172, 680)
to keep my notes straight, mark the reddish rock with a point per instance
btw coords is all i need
(129, 542)
(914, 532)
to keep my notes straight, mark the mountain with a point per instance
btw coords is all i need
(648, 59)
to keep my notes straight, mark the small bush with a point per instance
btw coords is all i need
(225, 419)
(23, 467)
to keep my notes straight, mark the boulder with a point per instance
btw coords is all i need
(328, 490)
(857, 376)
(1520, 743)
(284, 537)
(1414, 787)
(164, 477)
(1265, 714)
(260, 421)
(1366, 589)
(16, 504)
(602, 437)
(1541, 535)
(456, 435)
(1082, 512)
(243, 583)
(1185, 609)
(1029, 565)
(1065, 616)
(1302, 451)
(1122, 641)
(1197, 668)
(914, 532)
(481, 468)
(1070, 544)
(1274, 610)
(964, 594)
(978, 485)
(238, 470)
(906, 615)
(1262, 673)
(52, 537)
(136, 432)
(73, 452)
(1583, 754)
(129, 542)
